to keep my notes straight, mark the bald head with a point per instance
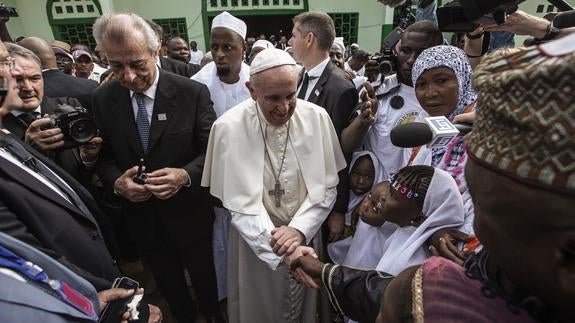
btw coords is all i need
(42, 49)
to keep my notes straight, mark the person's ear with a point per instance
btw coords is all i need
(309, 39)
(566, 265)
(252, 90)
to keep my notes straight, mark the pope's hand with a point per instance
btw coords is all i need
(305, 267)
(285, 240)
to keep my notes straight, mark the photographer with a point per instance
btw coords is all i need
(24, 122)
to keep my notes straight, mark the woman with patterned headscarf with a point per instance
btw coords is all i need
(442, 79)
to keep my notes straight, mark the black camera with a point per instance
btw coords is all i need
(466, 15)
(8, 11)
(75, 123)
(386, 60)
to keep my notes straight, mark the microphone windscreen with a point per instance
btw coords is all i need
(411, 135)
(392, 3)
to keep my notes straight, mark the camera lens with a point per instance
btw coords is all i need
(82, 130)
(385, 68)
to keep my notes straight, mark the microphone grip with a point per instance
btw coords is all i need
(464, 128)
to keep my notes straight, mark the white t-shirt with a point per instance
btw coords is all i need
(196, 57)
(377, 140)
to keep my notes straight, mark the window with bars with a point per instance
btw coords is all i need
(346, 25)
(173, 27)
(77, 34)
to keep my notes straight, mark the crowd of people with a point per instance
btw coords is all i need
(259, 182)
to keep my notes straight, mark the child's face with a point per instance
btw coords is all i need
(370, 207)
(399, 209)
(362, 176)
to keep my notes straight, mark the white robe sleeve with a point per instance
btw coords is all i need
(256, 232)
(309, 217)
(256, 229)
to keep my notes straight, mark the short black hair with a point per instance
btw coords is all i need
(417, 178)
(429, 28)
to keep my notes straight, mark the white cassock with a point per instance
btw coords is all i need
(239, 173)
(224, 96)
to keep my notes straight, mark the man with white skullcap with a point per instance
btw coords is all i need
(225, 77)
(258, 46)
(278, 195)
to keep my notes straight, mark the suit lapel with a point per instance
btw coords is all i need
(164, 108)
(14, 125)
(318, 88)
(19, 175)
(123, 111)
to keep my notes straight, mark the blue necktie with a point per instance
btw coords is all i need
(142, 121)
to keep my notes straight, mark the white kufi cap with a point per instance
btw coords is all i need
(226, 20)
(338, 41)
(262, 43)
(270, 58)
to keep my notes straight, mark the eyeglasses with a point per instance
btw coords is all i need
(8, 64)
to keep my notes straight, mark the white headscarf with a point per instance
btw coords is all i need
(442, 208)
(339, 249)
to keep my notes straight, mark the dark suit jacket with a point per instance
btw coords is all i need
(68, 159)
(177, 67)
(24, 302)
(181, 121)
(58, 84)
(35, 214)
(337, 94)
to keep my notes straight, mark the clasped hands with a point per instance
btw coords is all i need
(162, 183)
(287, 241)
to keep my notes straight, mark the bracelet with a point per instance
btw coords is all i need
(474, 36)
(474, 56)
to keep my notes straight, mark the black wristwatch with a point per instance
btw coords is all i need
(552, 31)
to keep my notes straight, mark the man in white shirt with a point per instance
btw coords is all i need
(196, 55)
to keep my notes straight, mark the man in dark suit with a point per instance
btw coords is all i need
(326, 85)
(56, 83)
(163, 119)
(49, 209)
(23, 124)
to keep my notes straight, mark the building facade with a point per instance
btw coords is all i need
(365, 22)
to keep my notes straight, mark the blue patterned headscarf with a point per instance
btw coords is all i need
(455, 59)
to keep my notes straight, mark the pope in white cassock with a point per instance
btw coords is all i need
(273, 161)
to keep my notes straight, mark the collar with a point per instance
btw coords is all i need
(319, 68)
(19, 112)
(151, 91)
(158, 61)
(49, 69)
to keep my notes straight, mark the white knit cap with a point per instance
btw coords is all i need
(226, 20)
(270, 58)
(338, 41)
(262, 43)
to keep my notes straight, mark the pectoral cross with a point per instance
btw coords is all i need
(277, 192)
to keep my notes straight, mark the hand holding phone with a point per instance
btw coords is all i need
(114, 310)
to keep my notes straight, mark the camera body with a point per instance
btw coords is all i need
(386, 60)
(467, 15)
(6, 11)
(75, 123)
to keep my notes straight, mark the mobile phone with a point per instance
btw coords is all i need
(113, 311)
(140, 177)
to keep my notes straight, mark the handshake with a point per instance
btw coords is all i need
(305, 267)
